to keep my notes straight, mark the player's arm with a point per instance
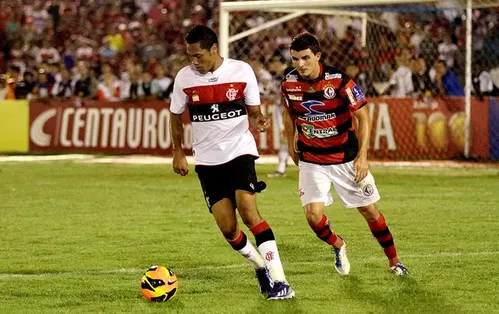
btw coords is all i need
(356, 102)
(256, 117)
(179, 159)
(290, 129)
(177, 107)
(364, 131)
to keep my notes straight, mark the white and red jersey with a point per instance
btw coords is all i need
(324, 119)
(217, 107)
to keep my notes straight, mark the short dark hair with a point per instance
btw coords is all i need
(203, 35)
(305, 41)
(442, 62)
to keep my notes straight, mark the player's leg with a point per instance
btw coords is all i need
(283, 154)
(282, 162)
(220, 200)
(283, 158)
(246, 185)
(314, 187)
(377, 224)
(363, 196)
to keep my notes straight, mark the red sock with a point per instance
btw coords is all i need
(381, 232)
(262, 233)
(239, 241)
(325, 233)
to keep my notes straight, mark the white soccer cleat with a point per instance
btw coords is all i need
(342, 265)
(276, 174)
(399, 270)
(281, 291)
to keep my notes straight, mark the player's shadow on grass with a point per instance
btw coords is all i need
(408, 297)
(291, 306)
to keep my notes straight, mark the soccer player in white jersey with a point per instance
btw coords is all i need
(223, 97)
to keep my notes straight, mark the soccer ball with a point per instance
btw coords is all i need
(159, 284)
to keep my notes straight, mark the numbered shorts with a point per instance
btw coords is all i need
(222, 181)
(315, 185)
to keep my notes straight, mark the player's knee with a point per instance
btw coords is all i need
(250, 217)
(369, 212)
(229, 231)
(313, 213)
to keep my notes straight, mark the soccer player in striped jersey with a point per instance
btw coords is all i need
(321, 103)
(222, 95)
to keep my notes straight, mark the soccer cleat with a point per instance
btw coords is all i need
(341, 264)
(280, 291)
(276, 174)
(399, 270)
(264, 281)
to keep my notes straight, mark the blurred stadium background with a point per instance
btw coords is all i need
(409, 58)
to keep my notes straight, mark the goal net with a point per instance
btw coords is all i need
(430, 90)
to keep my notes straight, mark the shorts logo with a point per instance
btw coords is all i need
(301, 192)
(329, 92)
(231, 94)
(207, 199)
(213, 79)
(368, 190)
(252, 186)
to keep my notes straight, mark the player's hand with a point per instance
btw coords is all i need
(180, 163)
(261, 123)
(361, 167)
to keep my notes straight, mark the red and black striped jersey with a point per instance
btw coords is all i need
(324, 114)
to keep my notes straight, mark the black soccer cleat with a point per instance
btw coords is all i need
(264, 281)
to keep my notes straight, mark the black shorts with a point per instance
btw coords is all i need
(222, 181)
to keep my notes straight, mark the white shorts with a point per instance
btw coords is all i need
(315, 185)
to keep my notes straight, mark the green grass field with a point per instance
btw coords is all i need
(75, 238)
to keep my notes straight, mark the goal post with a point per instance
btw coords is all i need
(295, 6)
(372, 27)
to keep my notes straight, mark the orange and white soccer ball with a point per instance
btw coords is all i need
(159, 284)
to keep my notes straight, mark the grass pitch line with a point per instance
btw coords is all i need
(44, 275)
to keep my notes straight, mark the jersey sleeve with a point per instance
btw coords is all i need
(178, 98)
(284, 99)
(353, 94)
(251, 91)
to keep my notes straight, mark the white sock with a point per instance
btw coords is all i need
(242, 245)
(251, 255)
(268, 250)
(283, 159)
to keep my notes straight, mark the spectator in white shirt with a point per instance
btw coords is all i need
(447, 51)
(161, 84)
(401, 80)
(48, 53)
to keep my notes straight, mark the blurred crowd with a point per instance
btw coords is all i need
(132, 49)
